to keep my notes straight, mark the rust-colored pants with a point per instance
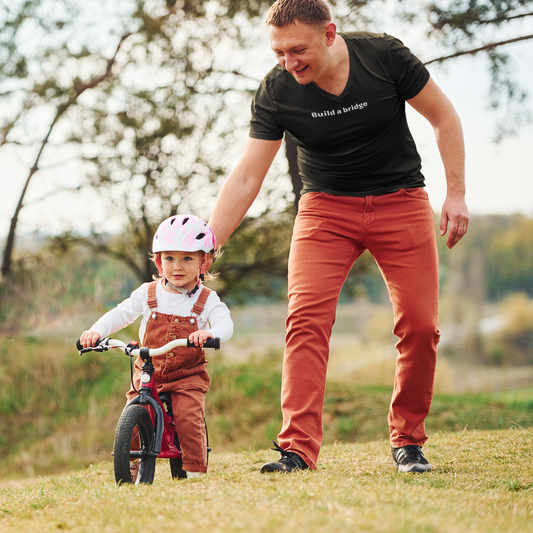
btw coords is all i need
(330, 233)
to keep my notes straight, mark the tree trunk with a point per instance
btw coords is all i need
(10, 243)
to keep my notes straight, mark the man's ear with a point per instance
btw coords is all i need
(330, 31)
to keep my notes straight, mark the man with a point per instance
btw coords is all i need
(342, 98)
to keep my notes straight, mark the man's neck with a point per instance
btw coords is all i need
(336, 78)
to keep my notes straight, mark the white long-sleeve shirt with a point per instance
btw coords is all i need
(215, 317)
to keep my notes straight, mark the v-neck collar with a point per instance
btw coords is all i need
(332, 96)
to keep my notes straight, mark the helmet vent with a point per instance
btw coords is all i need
(185, 220)
(200, 236)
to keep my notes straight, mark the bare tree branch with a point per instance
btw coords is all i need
(474, 51)
(53, 193)
(504, 18)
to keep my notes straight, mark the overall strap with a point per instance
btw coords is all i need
(152, 300)
(198, 307)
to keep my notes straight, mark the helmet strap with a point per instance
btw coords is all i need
(175, 287)
(192, 292)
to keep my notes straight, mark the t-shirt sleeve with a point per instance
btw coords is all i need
(410, 74)
(218, 317)
(264, 123)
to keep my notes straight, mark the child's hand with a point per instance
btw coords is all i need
(89, 338)
(199, 337)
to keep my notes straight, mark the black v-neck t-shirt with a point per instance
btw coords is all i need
(357, 143)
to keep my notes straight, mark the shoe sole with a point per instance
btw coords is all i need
(269, 469)
(413, 468)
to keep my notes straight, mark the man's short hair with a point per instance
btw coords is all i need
(284, 12)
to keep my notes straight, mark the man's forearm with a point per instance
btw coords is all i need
(242, 187)
(232, 204)
(449, 136)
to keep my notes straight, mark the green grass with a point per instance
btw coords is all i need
(482, 481)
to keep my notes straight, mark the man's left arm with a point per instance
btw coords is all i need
(433, 104)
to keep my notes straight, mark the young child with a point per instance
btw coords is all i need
(175, 306)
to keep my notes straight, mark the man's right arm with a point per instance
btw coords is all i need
(242, 187)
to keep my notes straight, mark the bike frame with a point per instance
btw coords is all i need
(163, 446)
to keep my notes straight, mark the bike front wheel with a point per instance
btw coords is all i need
(133, 440)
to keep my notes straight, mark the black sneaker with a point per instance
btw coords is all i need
(289, 462)
(410, 459)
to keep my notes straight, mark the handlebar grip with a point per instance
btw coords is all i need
(209, 343)
(79, 345)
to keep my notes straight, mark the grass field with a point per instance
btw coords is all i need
(58, 411)
(482, 482)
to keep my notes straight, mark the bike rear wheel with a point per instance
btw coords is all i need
(133, 440)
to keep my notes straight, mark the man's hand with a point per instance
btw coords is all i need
(454, 220)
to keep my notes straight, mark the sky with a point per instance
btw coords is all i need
(499, 177)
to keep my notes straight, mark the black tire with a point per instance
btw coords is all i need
(135, 432)
(176, 465)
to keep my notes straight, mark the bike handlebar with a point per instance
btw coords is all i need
(103, 345)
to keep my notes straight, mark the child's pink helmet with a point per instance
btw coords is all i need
(184, 233)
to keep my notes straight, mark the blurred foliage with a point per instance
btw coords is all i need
(254, 263)
(51, 286)
(512, 342)
(509, 259)
(482, 27)
(493, 259)
(157, 149)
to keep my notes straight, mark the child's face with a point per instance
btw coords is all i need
(181, 268)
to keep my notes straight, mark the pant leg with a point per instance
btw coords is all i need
(324, 246)
(401, 237)
(188, 407)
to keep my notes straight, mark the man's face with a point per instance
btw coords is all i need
(302, 49)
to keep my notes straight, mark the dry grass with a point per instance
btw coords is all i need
(481, 482)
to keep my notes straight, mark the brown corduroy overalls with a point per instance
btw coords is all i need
(183, 372)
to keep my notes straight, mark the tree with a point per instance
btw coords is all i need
(47, 80)
(55, 77)
(155, 135)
